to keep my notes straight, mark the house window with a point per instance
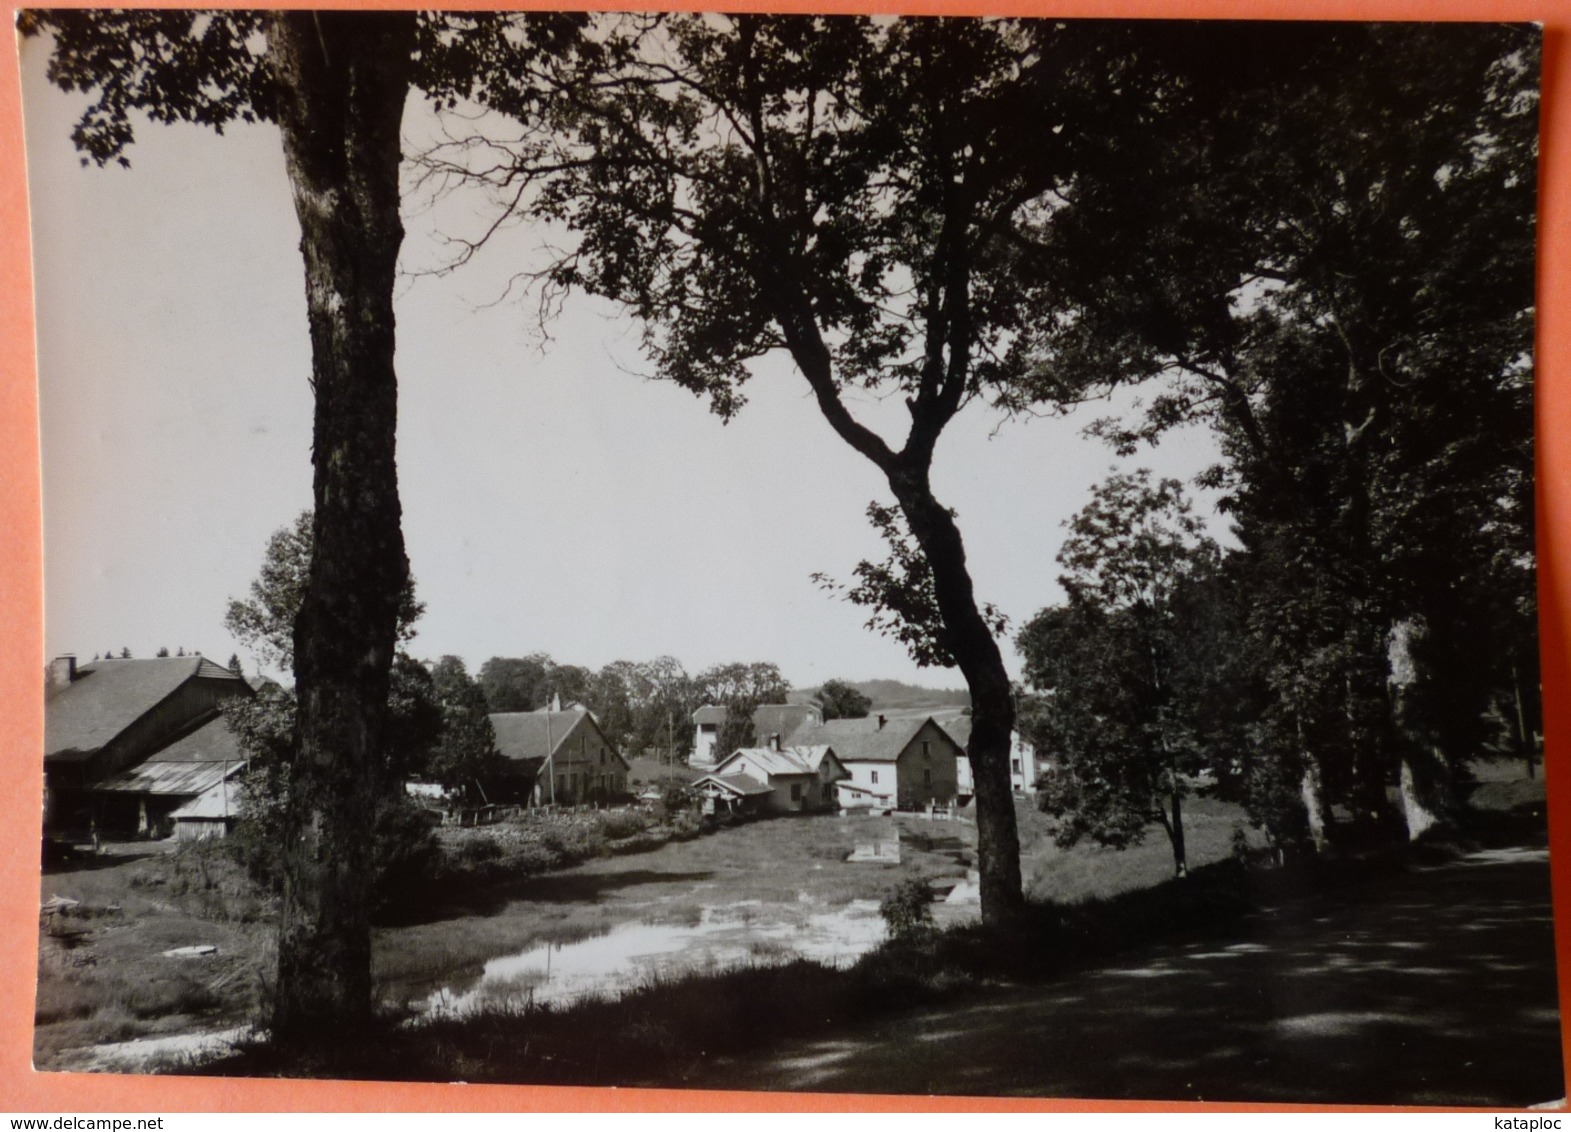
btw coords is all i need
(927, 776)
(927, 749)
(875, 778)
(1014, 766)
(796, 791)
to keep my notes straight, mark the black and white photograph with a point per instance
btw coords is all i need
(791, 553)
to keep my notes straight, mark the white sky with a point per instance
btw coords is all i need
(553, 500)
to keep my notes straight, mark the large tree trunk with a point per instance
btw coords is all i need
(976, 653)
(1423, 775)
(343, 78)
(1312, 792)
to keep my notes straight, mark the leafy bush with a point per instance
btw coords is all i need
(676, 798)
(907, 911)
(405, 852)
(574, 841)
(618, 824)
(257, 839)
(685, 826)
(531, 858)
(476, 852)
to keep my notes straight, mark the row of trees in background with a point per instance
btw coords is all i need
(438, 726)
(1350, 310)
(640, 705)
(646, 706)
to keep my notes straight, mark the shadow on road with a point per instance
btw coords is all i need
(1435, 988)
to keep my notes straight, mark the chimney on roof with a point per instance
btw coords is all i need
(882, 719)
(774, 741)
(60, 672)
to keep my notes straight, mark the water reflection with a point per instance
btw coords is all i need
(632, 954)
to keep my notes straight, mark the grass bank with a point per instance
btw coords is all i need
(664, 1031)
(104, 972)
(104, 975)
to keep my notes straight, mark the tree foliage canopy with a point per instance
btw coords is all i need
(1327, 257)
(840, 699)
(1125, 675)
(265, 621)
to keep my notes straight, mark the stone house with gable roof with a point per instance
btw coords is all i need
(563, 754)
(893, 763)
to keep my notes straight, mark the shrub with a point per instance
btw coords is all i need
(907, 910)
(531, 858)
(676, 798)
(619, 824)
(476, 852)
(574, 841)
(685, 826)
(405, 851)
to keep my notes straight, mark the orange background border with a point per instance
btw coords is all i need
(21, 608)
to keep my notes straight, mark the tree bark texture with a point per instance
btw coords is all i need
(1422, 774)
(1312, 792)
(975, 650)
(343, 79)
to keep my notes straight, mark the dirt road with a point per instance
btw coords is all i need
(1435, 987)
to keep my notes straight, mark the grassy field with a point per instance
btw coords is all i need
(102, 972)
(1091, 872)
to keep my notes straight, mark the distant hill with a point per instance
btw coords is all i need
(893, 695)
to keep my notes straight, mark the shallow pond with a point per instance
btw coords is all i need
(630, 955)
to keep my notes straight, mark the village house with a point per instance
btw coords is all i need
(129, 742)
(902, 763)
(1023, 763)
(564, 754)
(770, 721)
(776, 779)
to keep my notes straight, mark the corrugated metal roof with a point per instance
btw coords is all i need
(736, 783)
(772, 762)
(108, 696)
(221, 800)
(815, 755)
(170, 779)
